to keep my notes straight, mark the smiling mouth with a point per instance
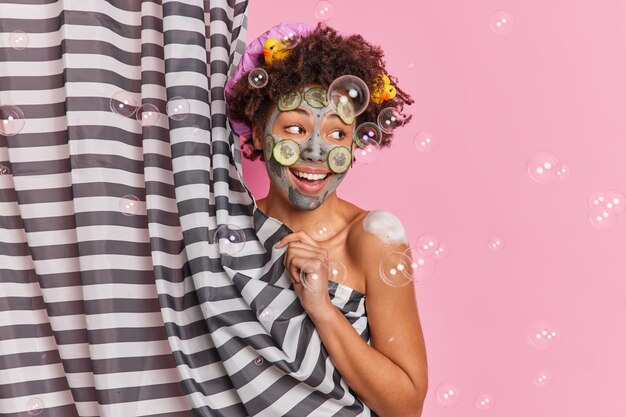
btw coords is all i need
(312, 184)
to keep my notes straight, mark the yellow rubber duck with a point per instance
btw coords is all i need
(384, 92)
(273, 51)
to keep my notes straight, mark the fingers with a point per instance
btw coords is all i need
(299, 236)
(314, 268)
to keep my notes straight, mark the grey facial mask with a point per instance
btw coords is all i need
(314, 152)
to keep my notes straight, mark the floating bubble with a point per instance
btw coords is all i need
(562, 172)
(422, 266)
(542, 378)
(349, 96)
(148, 114)
(18, 40)
(259, 361)
(367, 133)
(447, 394)
(11, 120)
(396, 269)
(424, 141)
(35, 406)
(338, 273)
(484, 402)
(177, 108)
(324, 10)
(542, 167)
(315, 274)
(322, 231)
(289, 41)
(496, 244)
(230, 239)
(266, 314)
(411, 65)
(195, 130)
(427, 245)
(602, 219)
(367, 155)
(123, 103)
(129, 205)
(4, 170)
(541, 335)
(389, 119)
(613, 202)
(501, 22)
(258, 78)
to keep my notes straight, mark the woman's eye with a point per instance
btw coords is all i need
(337, 134)
(296, 130)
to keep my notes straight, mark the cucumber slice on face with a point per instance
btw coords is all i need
(286, 152)
(339, 159)
(267, 148)
(289, 101)
(316, 97)
(345, 110)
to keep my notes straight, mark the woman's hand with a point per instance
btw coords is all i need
(305, 253)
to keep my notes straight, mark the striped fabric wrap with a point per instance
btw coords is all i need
(103, 313)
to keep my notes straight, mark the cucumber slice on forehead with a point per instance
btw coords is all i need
(316, 97)
(289, 101)
(286, 152)
(339, 159)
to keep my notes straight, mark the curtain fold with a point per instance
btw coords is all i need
(116, 297)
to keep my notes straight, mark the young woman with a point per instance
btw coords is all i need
(290, 124)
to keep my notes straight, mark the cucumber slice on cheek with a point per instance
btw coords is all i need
(286, 152)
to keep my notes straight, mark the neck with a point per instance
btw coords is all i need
(279, 207)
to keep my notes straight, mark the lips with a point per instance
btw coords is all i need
(309, 187)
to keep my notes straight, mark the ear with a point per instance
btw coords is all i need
(257, 136)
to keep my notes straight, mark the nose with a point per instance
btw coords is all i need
(312, 149)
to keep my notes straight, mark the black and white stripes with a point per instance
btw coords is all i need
(108, 314)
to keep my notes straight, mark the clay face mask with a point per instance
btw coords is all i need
(283, 156)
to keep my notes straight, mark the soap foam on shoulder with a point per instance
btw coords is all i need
(386, 226)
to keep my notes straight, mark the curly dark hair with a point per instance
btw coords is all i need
(319, 58)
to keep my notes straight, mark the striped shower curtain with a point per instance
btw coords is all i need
(116, 299)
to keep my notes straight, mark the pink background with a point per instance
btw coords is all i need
(556, 83)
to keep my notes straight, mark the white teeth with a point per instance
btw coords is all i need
(313, 177)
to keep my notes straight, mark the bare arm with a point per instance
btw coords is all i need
(390, 375)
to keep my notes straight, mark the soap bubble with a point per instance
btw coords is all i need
(324, 10)
(289, 41)
(148, 114)
(338, 273)
(313, 273)
(259, 361)
(396, 269)
(496, 244)
(484, 402)
(4, 170)
(123, 103)
(542, 378)
(35, 406)
(229, 238)
(266, 314)
(322, 231)
(542, 167)
(389, 119)
(18, 40)
(367, 133)
(11, 120)
(349, 96)
(427, 244)
(367, 155)
(613, 201)
(177, 108)
(541, 335)
(424, 141)
(441, 252)
(447, 394)
(129, 205)
(258, 78)
(501, 22)
(602, 219)
(422, 266)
